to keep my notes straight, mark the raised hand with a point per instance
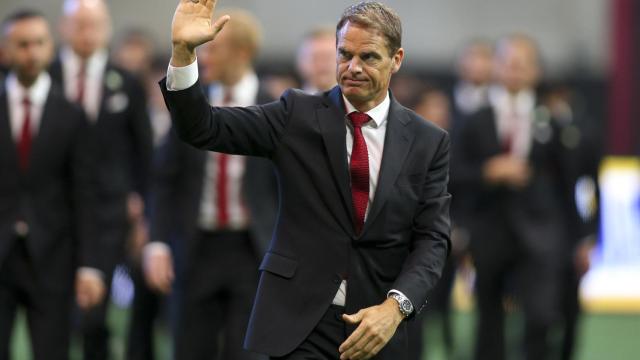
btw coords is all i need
(192, 26)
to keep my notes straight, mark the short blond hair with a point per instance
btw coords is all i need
(245, 29)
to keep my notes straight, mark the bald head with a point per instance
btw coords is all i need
(86, 26)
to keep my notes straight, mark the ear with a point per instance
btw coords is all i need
(397, 60)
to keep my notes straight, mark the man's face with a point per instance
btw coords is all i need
(517, 66)
(316, 62)
(476, 64)
(29, 47)
(365, 65)
(87, 28)
(217, 58)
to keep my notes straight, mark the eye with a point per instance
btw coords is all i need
(344, 55)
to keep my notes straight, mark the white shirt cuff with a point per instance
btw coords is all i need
(85, 270)
(401, 294)
(180, 78)
(155, 247)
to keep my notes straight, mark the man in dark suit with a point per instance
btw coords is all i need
(363, 227)
(195, 191)
(115, 105)
(45, 193)
(509, 157)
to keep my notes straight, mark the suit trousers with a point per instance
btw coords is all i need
(48, 310)
(221, 276)
(505, 266)
(324, 340)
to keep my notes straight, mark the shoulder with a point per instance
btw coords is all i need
(73, 113)
(423, 127)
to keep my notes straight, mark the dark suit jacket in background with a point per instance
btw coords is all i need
(55, 196)
(404, 241)
(177, 188)
(122, 135)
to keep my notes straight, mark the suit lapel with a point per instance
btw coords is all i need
(397, 143)
(334, 132)
(7, 142)
(44, 134)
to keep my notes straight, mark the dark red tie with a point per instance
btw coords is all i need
(222, 178)
(359, 169)
(24, 143)
(81, 83)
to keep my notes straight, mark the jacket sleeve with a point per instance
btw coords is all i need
(431, 233)
(253, 130)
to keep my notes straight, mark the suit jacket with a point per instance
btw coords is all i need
(54, 196)
(178, 185)
(403, 244)
(122, 133)
(536, 214)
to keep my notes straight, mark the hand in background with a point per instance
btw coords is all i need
(506, 169)
(157, 264)
(192, 27)
(377, 324)
(90, 288)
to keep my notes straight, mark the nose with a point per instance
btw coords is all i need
(355, 66)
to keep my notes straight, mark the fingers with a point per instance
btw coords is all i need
(353, 318)
(219, 24)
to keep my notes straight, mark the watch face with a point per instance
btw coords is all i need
(406, 306)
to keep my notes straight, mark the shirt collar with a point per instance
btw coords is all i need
(37, 92)
(500, 98)
(379, 113)
(94, 64)
(243, 93)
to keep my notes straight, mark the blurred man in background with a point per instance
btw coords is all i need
(134, 52)
(510, 156)
(115, 106)
(223, 208)
(45, 190)
(475, 75)
(316, 60)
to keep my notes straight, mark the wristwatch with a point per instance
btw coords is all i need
(406, 308)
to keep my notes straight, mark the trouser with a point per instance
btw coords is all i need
(47, 302)
(221, 276)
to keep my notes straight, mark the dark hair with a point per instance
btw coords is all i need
(375, 15)
(20, 15)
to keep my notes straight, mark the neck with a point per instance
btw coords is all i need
(364, 106)
(25, 80)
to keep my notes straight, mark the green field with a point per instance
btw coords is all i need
(604, 337)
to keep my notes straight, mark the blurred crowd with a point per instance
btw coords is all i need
(93, 178)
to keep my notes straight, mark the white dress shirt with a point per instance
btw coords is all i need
(244, 93)
(514, 118)
(94, 74)
(37, 95)
(180, 78)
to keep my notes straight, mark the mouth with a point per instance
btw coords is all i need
(353, 82)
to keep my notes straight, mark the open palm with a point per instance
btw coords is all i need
(192, 23)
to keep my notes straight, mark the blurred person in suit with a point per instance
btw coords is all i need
(474, 68)
(510, 157)
(147, 303)
(580, 136)
(134, 52)
(115, 105)
(46, 194)
(434, 105)
(316, 60)
(221, 207)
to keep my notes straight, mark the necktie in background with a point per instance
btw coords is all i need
(222, 204)
(24, 142)
(359, 169)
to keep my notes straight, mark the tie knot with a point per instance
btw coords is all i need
(358, 118)
(26, 101)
